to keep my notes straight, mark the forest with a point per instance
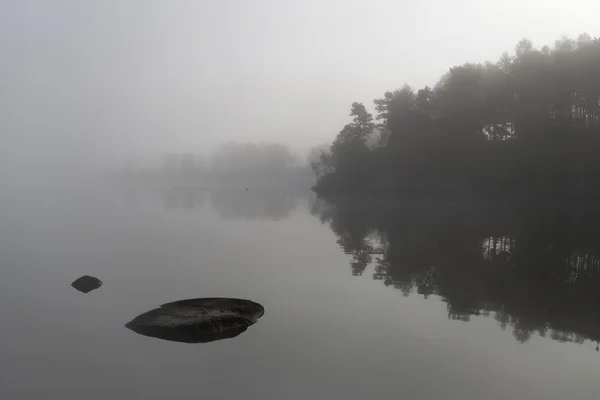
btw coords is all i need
(527, 123)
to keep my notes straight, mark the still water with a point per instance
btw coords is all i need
(363, 298)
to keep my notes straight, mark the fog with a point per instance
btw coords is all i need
(93, 83)
(415, 209)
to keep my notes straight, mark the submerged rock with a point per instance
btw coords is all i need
(86, 284)
(198, 320)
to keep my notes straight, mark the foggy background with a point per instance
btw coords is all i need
(214, 107)
(91, 84)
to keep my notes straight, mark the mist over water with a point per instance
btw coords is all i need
(396, 285)
(407, 193)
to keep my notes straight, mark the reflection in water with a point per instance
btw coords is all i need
(198, 320)
(266, 202)
(533, 267)
(497, 249)
(271, 203)
(184, 197)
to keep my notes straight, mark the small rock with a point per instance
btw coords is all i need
(86, 284)
(198, 320)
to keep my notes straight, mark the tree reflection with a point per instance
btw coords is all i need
(184, 197)
(237, 202)
(271, 203)
(533, 267)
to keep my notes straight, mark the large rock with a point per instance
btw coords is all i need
(86, 283)
(198, 320)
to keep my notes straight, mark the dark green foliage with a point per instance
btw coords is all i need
(530, 121)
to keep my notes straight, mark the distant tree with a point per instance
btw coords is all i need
(394, 106)
(350, 143)
(584, 40)
(275, 156)
(505, 62)
(403, 117)
(460, 97)
(322, 163)
(424, 99)
(251, 156)
(314, 153)
(566, 44)
(524, 47)
(362, 121)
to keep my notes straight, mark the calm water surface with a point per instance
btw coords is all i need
(362, 300)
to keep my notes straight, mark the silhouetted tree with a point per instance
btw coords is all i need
(526, 122)
(351, 141)
(251, 156)
(320, 160)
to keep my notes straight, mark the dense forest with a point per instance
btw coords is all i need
(534, 267)
(529, 122)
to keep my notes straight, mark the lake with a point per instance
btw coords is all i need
(364, 298)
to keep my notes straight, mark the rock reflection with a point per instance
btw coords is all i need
(535, 268)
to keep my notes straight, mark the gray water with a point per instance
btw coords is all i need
(327, 333)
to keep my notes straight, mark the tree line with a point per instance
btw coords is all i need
(529, 121)
(237, 164)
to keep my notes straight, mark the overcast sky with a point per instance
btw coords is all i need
(82, 79)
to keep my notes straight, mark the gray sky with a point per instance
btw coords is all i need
(83, 79)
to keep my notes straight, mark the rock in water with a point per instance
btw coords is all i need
(87, 283)
(198, 320)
